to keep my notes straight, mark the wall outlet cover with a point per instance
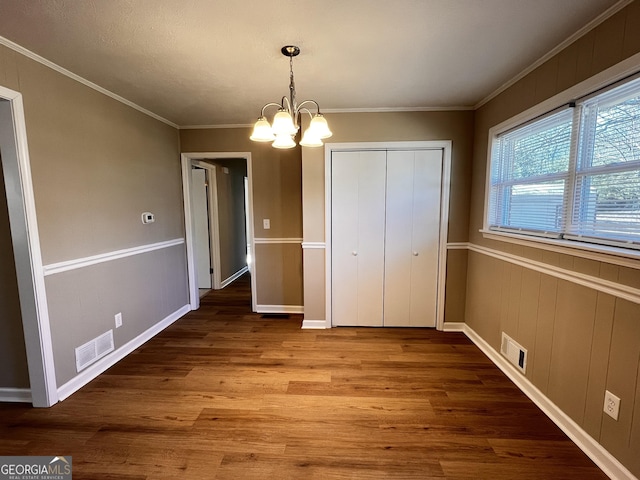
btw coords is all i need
(611, 405)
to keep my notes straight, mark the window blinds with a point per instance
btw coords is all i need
(572, 174)
(530, 169)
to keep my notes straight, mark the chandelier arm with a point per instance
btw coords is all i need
(310, 101)
(286, 104)
(268, 105)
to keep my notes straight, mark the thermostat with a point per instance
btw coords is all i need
(148, 217)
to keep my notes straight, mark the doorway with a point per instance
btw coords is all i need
(27, 258)
(205, 220)
(222, 223)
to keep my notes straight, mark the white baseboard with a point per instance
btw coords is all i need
(453, 327)
(279, 309)
(596, 452)
(80, 380)
(314, 324)
(234, 277)
(15, 395)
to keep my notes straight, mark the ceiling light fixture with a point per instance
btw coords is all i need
(286, 121)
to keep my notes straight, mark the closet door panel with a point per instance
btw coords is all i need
(412, 234)
(398, 235)
(357, 215)
(425, 237)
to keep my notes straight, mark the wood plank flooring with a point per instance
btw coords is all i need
(227, 394)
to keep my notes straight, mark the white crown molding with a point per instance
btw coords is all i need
(585, 29)
(397, 109)
(34, 56)
(67, 265)
(209, 127)
(344, 110)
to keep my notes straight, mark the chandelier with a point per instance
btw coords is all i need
(286, 121)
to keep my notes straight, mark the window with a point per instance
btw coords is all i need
(572, 174)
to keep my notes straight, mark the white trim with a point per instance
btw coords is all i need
(48, 63)
(596, 452)
(251, 246)
(279, 309)
(612, 288)
(453, 108)
(453, 327)
(445, 183)
(234, 277)
(314, 245)
(67, 265)
(15, 395)
(28, 260)
(189, 233)
(211, 127)
(266, 241)
(553, 52)
(90, 373)
(186, 159)
(314, 325)
(445, 146)
(601, 253)
(457, 245)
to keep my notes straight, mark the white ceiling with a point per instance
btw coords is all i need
(215, 62)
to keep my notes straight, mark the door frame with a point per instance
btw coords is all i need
(28, 260)
(445, 146)
(186, 160)
(212, 218)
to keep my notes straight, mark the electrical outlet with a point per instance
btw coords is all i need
(611, 405)
(118, 318)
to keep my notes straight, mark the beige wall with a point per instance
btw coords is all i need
(381, 127)
(277, 195)
(96, 166)
(13, 357)
(580, 341)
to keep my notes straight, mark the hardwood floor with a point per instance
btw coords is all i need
(227, 394)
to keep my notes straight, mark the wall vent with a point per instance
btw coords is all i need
(93, 350)
(514, 352)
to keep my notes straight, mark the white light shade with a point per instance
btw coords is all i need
(320, 126)
(283, 124)
(283, 141)
(310, 139)
(262, 131)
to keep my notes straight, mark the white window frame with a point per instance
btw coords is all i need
(600, 252)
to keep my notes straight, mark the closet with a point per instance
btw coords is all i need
(385, 231)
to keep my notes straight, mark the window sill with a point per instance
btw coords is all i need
(601, 253)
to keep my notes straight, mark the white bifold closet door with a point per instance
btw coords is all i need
(385, 221)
